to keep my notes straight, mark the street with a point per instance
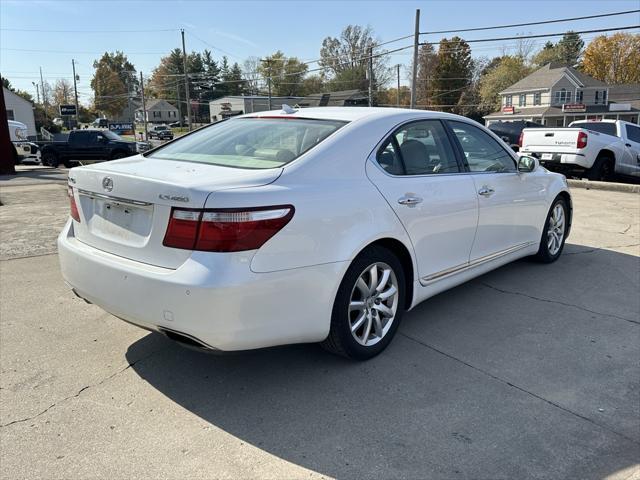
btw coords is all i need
(530, 371)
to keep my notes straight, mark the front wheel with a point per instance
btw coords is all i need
(554, 232)
(50, 159)
(368, 306)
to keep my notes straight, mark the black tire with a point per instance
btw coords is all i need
(545, 255)
(602, 170)
(50, 159)
(68, 164)
(340, 340)
(118, 154)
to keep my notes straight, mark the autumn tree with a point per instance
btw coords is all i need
(452, 74)
(113, 82)
(62, 92)
(613, 59)
(286, 73)
(505, 72)
(251, 74)
(345, 60)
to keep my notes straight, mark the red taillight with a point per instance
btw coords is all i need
(75, 214)
(225, 230)
(520, 139)
(582, 140)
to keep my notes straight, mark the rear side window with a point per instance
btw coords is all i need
(251, 143)
(600, 127)
(633, 133)
(418, 148)
(481, 151)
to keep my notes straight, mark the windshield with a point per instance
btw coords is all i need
(600, 127)
(252, 143)
(112, 136)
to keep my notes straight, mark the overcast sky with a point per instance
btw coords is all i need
(146, 30)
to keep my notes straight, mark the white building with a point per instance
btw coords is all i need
(20, 110)
(237, 105)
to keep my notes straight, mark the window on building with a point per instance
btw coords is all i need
(537, 98)
(562, 96)
(604, 97)
(601, 97)
(508, 100)
(10, 115)
(559, 122)
(579, 96)
(522, 100)
(157, 114)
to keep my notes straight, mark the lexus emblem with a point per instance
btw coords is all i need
(107, 183)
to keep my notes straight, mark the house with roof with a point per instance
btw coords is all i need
(157, 111)
(19, 109)
(556, 95)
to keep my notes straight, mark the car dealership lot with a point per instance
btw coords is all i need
(528, 371)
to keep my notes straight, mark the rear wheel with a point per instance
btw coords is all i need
(368, 306)
(554, 232)
(602, 170)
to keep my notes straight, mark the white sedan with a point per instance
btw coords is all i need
(312, 225)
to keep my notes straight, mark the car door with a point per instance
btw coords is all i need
(418, 173)
(511, 206)
(631, 160)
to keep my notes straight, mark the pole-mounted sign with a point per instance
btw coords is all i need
(67, 110)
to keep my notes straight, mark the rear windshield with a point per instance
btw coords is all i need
(252, 143)
(601, 127)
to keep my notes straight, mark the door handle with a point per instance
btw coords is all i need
(486, 191)
(409, 200)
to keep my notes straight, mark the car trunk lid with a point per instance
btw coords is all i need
(125, 204)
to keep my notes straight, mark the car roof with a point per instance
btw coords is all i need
(349, 114)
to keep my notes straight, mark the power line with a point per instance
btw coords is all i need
(523, 37)
(532, 23)
(89, 31)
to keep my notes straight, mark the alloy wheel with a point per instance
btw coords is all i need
(373, 304)
(555, 230)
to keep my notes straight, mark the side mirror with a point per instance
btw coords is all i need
(527, 164)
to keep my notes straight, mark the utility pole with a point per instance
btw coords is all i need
(186, 80)
(44, 96)
(144, 108)
(370, 74)
(179, 102)
(398, 90)
(75, 92)
(416, 45)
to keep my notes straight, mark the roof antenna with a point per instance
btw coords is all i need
(287, 109)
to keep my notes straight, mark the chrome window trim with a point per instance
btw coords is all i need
(111, 198)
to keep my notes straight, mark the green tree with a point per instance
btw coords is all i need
(113, 82)
(507, 71)
(346, 59)
(427, 63)
(570, 48)
(452, 74)
(286, 73)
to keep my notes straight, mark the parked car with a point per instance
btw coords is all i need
(87, 145)
(597, 149)
(510, 132)
(316, 225)
(178, 124)
(23, 147)
(161, 132)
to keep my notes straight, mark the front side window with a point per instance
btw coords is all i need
(419, 148)
(482, 152)
(251, 143)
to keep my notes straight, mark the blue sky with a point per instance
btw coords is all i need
(244, 28)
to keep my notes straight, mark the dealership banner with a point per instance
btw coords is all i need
(122, 128)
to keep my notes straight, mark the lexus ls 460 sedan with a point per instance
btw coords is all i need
(311, 225)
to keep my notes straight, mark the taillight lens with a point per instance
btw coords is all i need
(520, 139)
(73, 208)
(582, 140)
(225, 230)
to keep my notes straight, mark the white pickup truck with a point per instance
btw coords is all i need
(597, 148)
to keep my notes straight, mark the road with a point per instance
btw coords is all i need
(530, 371)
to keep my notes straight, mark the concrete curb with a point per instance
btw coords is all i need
(609, 186)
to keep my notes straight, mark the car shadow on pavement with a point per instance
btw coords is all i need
(502, 377)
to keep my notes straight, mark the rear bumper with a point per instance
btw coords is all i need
(213, 298)
(561, 160)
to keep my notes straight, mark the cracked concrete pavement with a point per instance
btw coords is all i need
(530, 371)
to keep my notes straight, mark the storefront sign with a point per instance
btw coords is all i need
(508, 110)
(574, 107)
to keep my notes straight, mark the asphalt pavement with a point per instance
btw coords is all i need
(530, 371)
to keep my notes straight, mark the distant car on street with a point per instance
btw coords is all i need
(161, 132)
(89, 145)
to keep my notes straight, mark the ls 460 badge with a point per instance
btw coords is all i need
(174, 198)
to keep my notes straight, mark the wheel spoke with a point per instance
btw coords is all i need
(373, 278)
(356, 305)
(367, 329)
(377, 325)
(359, 321)
(383, 281)
(382, 308)
(389, 292)
(363, 287)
